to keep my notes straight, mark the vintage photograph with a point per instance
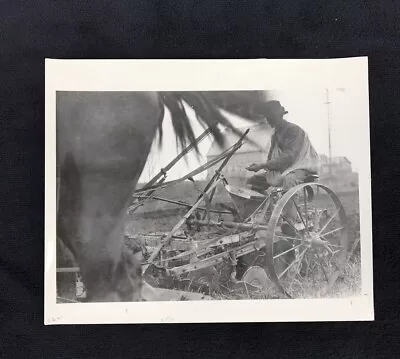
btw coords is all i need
(208, 195)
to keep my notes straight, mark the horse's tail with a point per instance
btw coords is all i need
(160, 120)
(207, 111)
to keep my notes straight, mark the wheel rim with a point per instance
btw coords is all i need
(304, 256)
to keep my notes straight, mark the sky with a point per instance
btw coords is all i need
(307, 108)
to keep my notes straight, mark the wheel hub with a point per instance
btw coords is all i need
(313, 240)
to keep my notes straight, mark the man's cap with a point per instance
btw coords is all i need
(270, 107)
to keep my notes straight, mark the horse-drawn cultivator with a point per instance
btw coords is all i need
(248, 248)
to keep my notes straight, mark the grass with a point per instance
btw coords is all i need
(347, 285)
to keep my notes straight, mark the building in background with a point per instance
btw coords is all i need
(338, 173)
(336, 166)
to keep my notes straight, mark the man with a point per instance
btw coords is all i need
(291, 158)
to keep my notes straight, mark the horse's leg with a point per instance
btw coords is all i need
(66, 231)
(108, 268)
(66, 282)
(107, 150)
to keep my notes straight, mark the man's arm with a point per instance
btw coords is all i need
(291, 146)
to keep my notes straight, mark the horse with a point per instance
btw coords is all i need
(103, 141)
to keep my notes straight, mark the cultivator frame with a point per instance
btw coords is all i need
(176, 256)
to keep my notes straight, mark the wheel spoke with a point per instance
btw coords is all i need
(288, 238)
(329, 221)
(292, 264)
(287, 251)
(330, 232)
(334, 245)
(305, 206)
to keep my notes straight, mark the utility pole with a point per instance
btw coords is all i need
(328, 103)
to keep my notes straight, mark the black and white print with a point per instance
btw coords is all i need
(209, 196)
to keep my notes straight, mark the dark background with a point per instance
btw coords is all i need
(33, 30)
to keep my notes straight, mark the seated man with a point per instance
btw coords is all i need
(291, 158)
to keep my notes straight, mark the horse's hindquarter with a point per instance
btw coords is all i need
(103, 141)
(106, 130)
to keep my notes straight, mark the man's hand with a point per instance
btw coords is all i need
(254, 167)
